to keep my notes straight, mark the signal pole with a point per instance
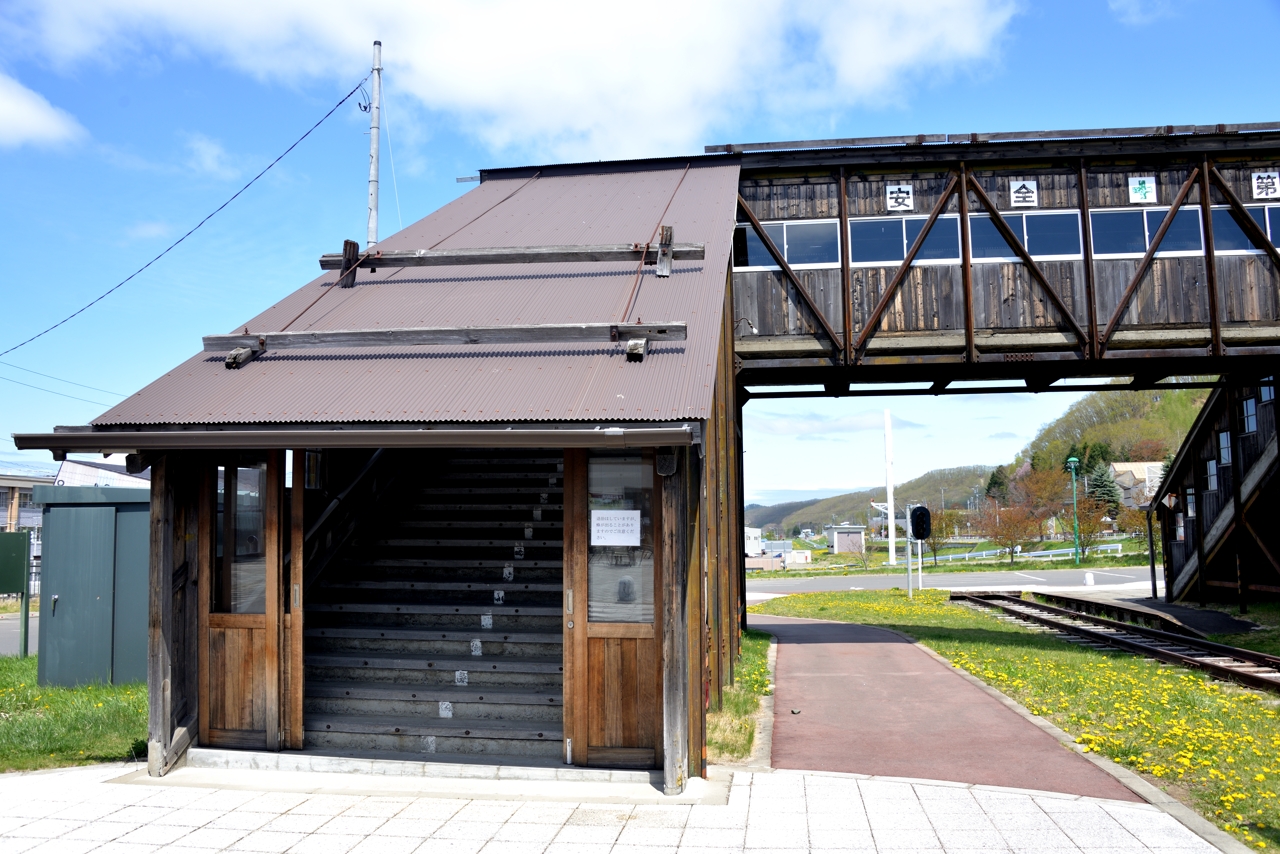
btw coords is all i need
(375, 121)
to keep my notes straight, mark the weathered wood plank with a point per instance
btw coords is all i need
(297, 676)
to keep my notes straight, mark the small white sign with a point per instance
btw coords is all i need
(615, 527)
(1266, 185)
(1024, 194)
(1142, 190)
(899, 197)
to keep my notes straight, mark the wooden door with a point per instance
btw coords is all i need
(240, 608)
(613, 631)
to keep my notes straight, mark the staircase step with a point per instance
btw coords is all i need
(469, 524)
(516, 563)
(479, 586)
(434, 693)
(380, 608)
(429, 542)
(448, 727)
(446, 508)
(479, 663)
(405, 635)
(495, 490)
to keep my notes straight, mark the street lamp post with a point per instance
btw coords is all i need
(1073, 464)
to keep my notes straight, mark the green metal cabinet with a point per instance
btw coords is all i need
(93, 584)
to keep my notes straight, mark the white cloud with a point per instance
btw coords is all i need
(26, 118)
(148, 230)
(815, 424)
(209, 157)
(571, 78)
(1136, 12)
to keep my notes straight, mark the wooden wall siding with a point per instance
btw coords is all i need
(696, 622)
(800, 197)
(238, 699)
(1252, 288)
(767, 299)
(1057, 189)
(1172, 292)
(1109, 188)
(624, 702)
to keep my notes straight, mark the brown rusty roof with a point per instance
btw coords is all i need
(482, 382)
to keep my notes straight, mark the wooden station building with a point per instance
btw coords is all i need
(513, 526)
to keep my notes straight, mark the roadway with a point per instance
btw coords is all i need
(9, 632)
(1126, 581)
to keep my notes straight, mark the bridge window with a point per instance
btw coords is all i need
(1228, 236)
(813, 242)
(873, 241)
(1180, 525)
(1118, 233)
(748, 248)
(1189, 501)
(1267, 391)
(943, 242)
(986, 242)
(1183, 234)
(1053, 235)
(1211, 476)
(1248, 415)
(1224, 448)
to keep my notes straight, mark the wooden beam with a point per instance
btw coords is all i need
(1086, 225)
(1145, 264)
(273, 499)
(347, 263)
(788, 272)
(547, 333)
(846, 284)
(629, 252)
(1247, 223)
(1032, 267)
(159, 621)
(966, 265)
(873, 321)
(1211, 269)
(297, 547)
(675, 653)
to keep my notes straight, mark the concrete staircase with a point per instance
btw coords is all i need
(437, 631)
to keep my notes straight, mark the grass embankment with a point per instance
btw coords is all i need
(1266, 638)
(1130, 561)
(53, 727)
(731, 731)
(1213, 745)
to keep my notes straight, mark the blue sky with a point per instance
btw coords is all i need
(123, 122)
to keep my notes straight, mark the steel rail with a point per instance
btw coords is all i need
(1219, 671)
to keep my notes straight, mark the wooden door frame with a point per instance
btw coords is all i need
(270, 621)
(578, 629)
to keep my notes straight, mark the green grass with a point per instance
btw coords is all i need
(990, 565)
(1216, 745)
(1266, 638)
(731, 730)
(54, 727)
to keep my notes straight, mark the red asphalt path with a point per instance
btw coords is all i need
(871, 702)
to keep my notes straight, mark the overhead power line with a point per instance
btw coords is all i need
(58, 393)
(61, 380)
(173, 245)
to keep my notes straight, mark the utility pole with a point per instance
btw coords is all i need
(1074, 463)
(375, 121)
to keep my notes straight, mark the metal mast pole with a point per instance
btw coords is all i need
(375, 120)
(888, 483)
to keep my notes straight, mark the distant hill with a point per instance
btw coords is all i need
(852, 507)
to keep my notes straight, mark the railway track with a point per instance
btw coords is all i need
(1229, 663)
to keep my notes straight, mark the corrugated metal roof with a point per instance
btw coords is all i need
(483, 382)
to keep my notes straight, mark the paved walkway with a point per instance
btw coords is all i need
(871, 703)
(79, 810)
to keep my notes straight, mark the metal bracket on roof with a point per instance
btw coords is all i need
(666, 236)
(547, 333)
(636, 349)
(649, 253)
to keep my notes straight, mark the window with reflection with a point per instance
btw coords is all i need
(985, 241)
(1228, 236)
(1183, 234)
(748, 248)
(943, 242)
(1051, 234)
(240, 564)
(813, 242)
(620, 555)
(876, 241)
(1118, 232)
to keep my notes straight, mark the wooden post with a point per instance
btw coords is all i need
(1151, 552)
(274, 502)
(966, 269)
(575, 687)
(203, 599)
(675, 661)
(1237, 472)
(159, 621)
(696, 612)
(846, 283)
(297, 687)
(1086, 226)
(1211, 270)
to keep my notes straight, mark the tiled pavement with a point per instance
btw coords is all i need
(80, 810)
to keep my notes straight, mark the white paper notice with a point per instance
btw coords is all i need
(615, 527)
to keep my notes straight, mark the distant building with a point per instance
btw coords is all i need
(94, 473)
(751, 542)
(1137, 481)
(17, 511)
(844, 539)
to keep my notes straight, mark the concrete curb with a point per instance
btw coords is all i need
(761, 759)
